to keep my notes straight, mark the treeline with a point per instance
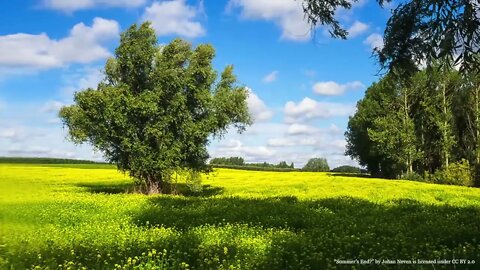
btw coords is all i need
(239, 161)
(424, 128)
(313, 165)
(43, 160)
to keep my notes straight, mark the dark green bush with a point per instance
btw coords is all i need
(347, 169)
(457, 173)
(412, 176)
(316, 165)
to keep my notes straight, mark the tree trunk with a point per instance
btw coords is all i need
(153, 185)
(407, 131)
(477, 125)
(445, 127)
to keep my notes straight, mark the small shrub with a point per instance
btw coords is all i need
(347, 169)
(316, 165)
(457, 173)
(412, 176)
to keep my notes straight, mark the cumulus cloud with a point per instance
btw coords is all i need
(331, 88)
(69, 5)
(287, 14)
(271, 77)
(174, 17)
(375, 41)
(310, 109)
(52, 106)
(80, 79)
(23, 139)
(357, 29)
(84, 44)
(289, 142)
(235, 147)
(257, 107)
(299, 129)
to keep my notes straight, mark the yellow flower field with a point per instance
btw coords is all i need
(85, 216)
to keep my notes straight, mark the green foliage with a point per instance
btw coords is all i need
(257, 167)
(416, 32)
(413, 176)
(431, 121)
(457, 173)
(359, 144)
(238, 163)
(37, 160)
(316, 165)
(228, 161)
(71, 218)
(157, 108)
(347, 169)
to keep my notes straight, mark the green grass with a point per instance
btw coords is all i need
(73, 216)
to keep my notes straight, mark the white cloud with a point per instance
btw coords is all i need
(174, 17)
(356, 29)
(375, 41)
(257, 107)
(72, 5)
(287, 14)
(299, 129)
(290, 142)
(52, 106)
(331, 88)
(80, 79)
(249, 153)
(9, 133)
(309, 109)
(271, 77)
(24, 139)
(83, 45)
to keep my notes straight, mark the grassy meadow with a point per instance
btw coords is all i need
(82, 216)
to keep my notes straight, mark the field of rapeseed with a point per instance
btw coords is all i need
(85, 217)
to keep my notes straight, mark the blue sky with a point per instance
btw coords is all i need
(302, 86)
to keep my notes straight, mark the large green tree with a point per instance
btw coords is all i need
(157, 108)
(360, 145)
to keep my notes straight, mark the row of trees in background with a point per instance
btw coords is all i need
(313, 165)
(240, 162)
(425, 127)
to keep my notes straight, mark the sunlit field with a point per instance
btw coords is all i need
(86, 216)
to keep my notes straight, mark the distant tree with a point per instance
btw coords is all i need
(316, 165)
(292, 166)
(347, 169)
(282, 164)
(157, 108)
(235, 161)
(218, 160)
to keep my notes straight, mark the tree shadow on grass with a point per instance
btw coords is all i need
(182, 189)
(356, 175)
(287, 233)
(108, 188)
(317, 232)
